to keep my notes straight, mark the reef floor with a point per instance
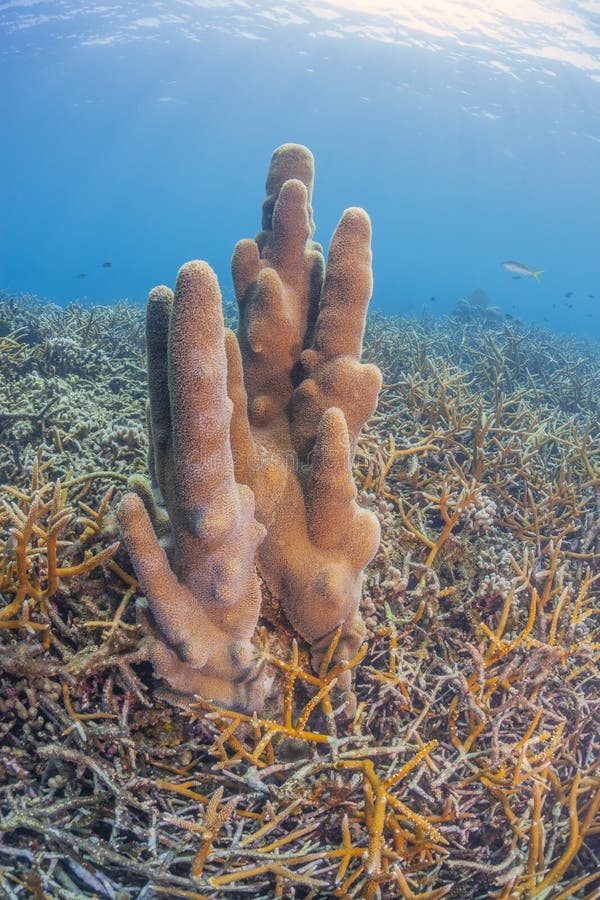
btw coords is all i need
(465, 763)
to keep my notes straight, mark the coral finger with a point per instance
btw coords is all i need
(347, 288)
(331, 490)
(205, 486)
(242, 442)
(288, 161)
(158, 313)
(292, 229)
(169, 602)
(245, 267)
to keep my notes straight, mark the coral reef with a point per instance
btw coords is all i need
(79, 407)
(470, 765)
(477, 308)
(30, 572)
(277, 482)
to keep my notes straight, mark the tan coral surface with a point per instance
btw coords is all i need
(299, 396)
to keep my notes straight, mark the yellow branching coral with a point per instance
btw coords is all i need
(30, 567)
(379, 834)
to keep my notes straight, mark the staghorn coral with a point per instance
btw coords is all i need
(494, 655)
(88, 413)
(30, 571)
(252, 448)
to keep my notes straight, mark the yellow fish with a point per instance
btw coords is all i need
(520, 269)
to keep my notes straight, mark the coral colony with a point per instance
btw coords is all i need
(252, 448)
(330, 647)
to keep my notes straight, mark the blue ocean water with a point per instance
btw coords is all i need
(139, 133)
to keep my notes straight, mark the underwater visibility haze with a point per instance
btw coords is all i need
(136, 133)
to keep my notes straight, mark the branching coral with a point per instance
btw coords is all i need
(381, 831)
(13, 351)
(252, 448)
(477, 698)
(30, 570)
(79, 407)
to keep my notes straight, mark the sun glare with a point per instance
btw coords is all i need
(534, 28)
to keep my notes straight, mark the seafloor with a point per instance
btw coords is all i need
(467, 763)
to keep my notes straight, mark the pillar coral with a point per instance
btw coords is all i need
(252, 443)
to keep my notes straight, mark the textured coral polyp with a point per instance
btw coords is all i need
(252, 445)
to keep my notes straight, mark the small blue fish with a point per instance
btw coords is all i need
(520, 269)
